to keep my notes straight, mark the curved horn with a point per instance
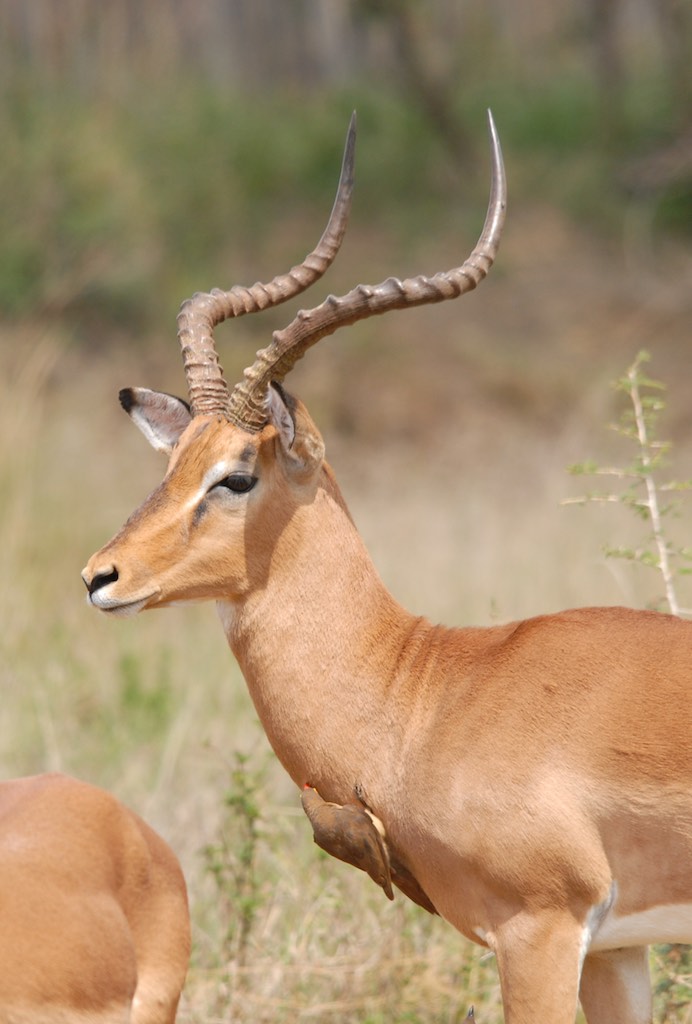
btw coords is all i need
(247, 406)
(199, 315)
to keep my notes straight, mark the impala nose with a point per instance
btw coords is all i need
(101, 579)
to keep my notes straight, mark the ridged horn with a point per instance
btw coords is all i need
(247, 406)
(200, 315)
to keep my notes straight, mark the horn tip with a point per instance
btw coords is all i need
(348, 161)
(499, 181)
(492, 131)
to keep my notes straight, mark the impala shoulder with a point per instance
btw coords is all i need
(614, 620)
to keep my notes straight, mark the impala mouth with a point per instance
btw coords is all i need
(113, 606)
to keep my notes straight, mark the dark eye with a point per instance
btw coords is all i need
(239, 483)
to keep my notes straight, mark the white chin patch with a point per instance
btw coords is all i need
(117, 608)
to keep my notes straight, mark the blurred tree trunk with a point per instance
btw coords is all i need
(603, 23)
(673, 23)
(406, 23)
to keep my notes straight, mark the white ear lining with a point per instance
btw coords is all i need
(280, 417)
(162, 418)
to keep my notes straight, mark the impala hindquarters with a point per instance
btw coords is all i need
(534, 778)
(94, 922)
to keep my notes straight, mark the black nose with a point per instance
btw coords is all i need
(102, 579)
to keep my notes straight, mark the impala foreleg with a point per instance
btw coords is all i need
(539, 957)
(615, 987)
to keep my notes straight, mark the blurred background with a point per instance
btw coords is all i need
(151, 150)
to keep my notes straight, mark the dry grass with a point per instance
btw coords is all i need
(458, 497)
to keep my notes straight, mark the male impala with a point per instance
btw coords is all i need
(94, 924)
(534, 778)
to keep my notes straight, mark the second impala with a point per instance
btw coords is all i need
(534, 779)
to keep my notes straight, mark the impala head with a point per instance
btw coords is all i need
(243, 460)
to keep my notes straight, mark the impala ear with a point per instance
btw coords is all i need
(301, 441)
(161, 418)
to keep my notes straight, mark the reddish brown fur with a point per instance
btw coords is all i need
(94, 923)
(535, 778)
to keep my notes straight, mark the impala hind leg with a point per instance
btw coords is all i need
(538, 959)
(615, 987)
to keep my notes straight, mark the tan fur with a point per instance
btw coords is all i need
(94, 923)
(535, 778)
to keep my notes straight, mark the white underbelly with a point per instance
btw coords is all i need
(671, 922)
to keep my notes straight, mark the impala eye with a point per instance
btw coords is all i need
(239, 483)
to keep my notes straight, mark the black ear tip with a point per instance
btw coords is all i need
(127, 398)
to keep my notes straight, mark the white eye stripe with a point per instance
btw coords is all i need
(219, 471)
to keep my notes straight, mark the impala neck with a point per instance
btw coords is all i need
(321, 648)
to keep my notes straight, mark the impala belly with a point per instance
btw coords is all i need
(670, 922)
(55, 1014)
